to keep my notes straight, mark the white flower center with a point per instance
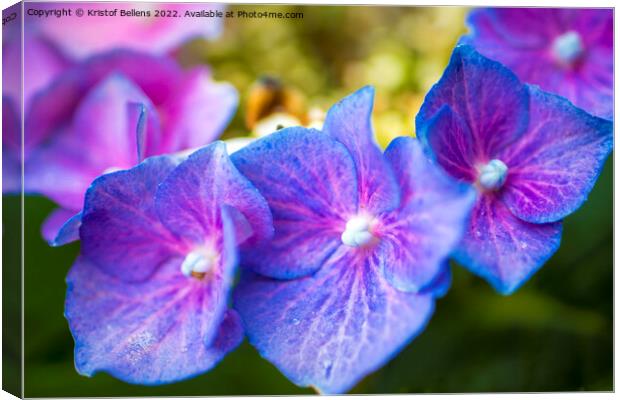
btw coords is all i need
(567, 48)
(357, 232)
(492, 175)
(199, 262)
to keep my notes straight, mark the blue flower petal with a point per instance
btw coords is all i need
(488, 97)
(524, 39)
(504, 249)
(189, 199)
(310, 183)
(331, 329)
(419, 236)
(149, 333)
(120, 231)
(441, 284)
(554, 166)
(69, 231)
(349, 122)
(11, 147)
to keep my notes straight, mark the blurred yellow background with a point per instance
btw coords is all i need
(331, 52)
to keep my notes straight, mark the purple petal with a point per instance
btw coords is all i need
(156, 332)
(12, 56)
(349, 122)
(199, 110)
(11, 147)
(331, 329)
(310, 183)
(507, 29)
(120, 230)
(52, 224)
(418, 238)
(486, 95)
(447, 139)
(11, 126)
(189, 200)
(593, 89)
(504, 249)
(522, 39)
(595, 24)
(163, 77)
(52, 108)
(43, 62)
(106, 123)
(84, 35)
(11, 174)
(442, 282)
(136, 120)
(555, 164)
(69, 231)
(59, 173)
(102, 136)
(61, 227)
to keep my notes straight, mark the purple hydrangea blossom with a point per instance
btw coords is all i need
(147, 300)
(532, 156)
(567, 51)
(11, 145)
(359, 251)
(43, 62)
(109, 113)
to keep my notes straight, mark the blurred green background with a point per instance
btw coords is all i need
(554, 334)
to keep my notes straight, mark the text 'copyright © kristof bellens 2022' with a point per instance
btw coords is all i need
(154, 12)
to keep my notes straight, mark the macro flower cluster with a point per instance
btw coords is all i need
(326, 252)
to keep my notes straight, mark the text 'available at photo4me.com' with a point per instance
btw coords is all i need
(244, 13)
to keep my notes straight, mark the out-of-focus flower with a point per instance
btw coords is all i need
(275, 122)
(280, 120)
(359, 250)
(152, 27)
(268, 96)
(11, 147)
(272, 106)
(316, 117)
(532, 156)
(43, 62)
(565, 51)
(108, 113)
(147, 300)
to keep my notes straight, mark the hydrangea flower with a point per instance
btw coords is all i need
(532, 156)
(11, 145)
(43, 62)
(147, 300)
(359, 250)
(567, 51)
(83, 36)
(109, 113)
